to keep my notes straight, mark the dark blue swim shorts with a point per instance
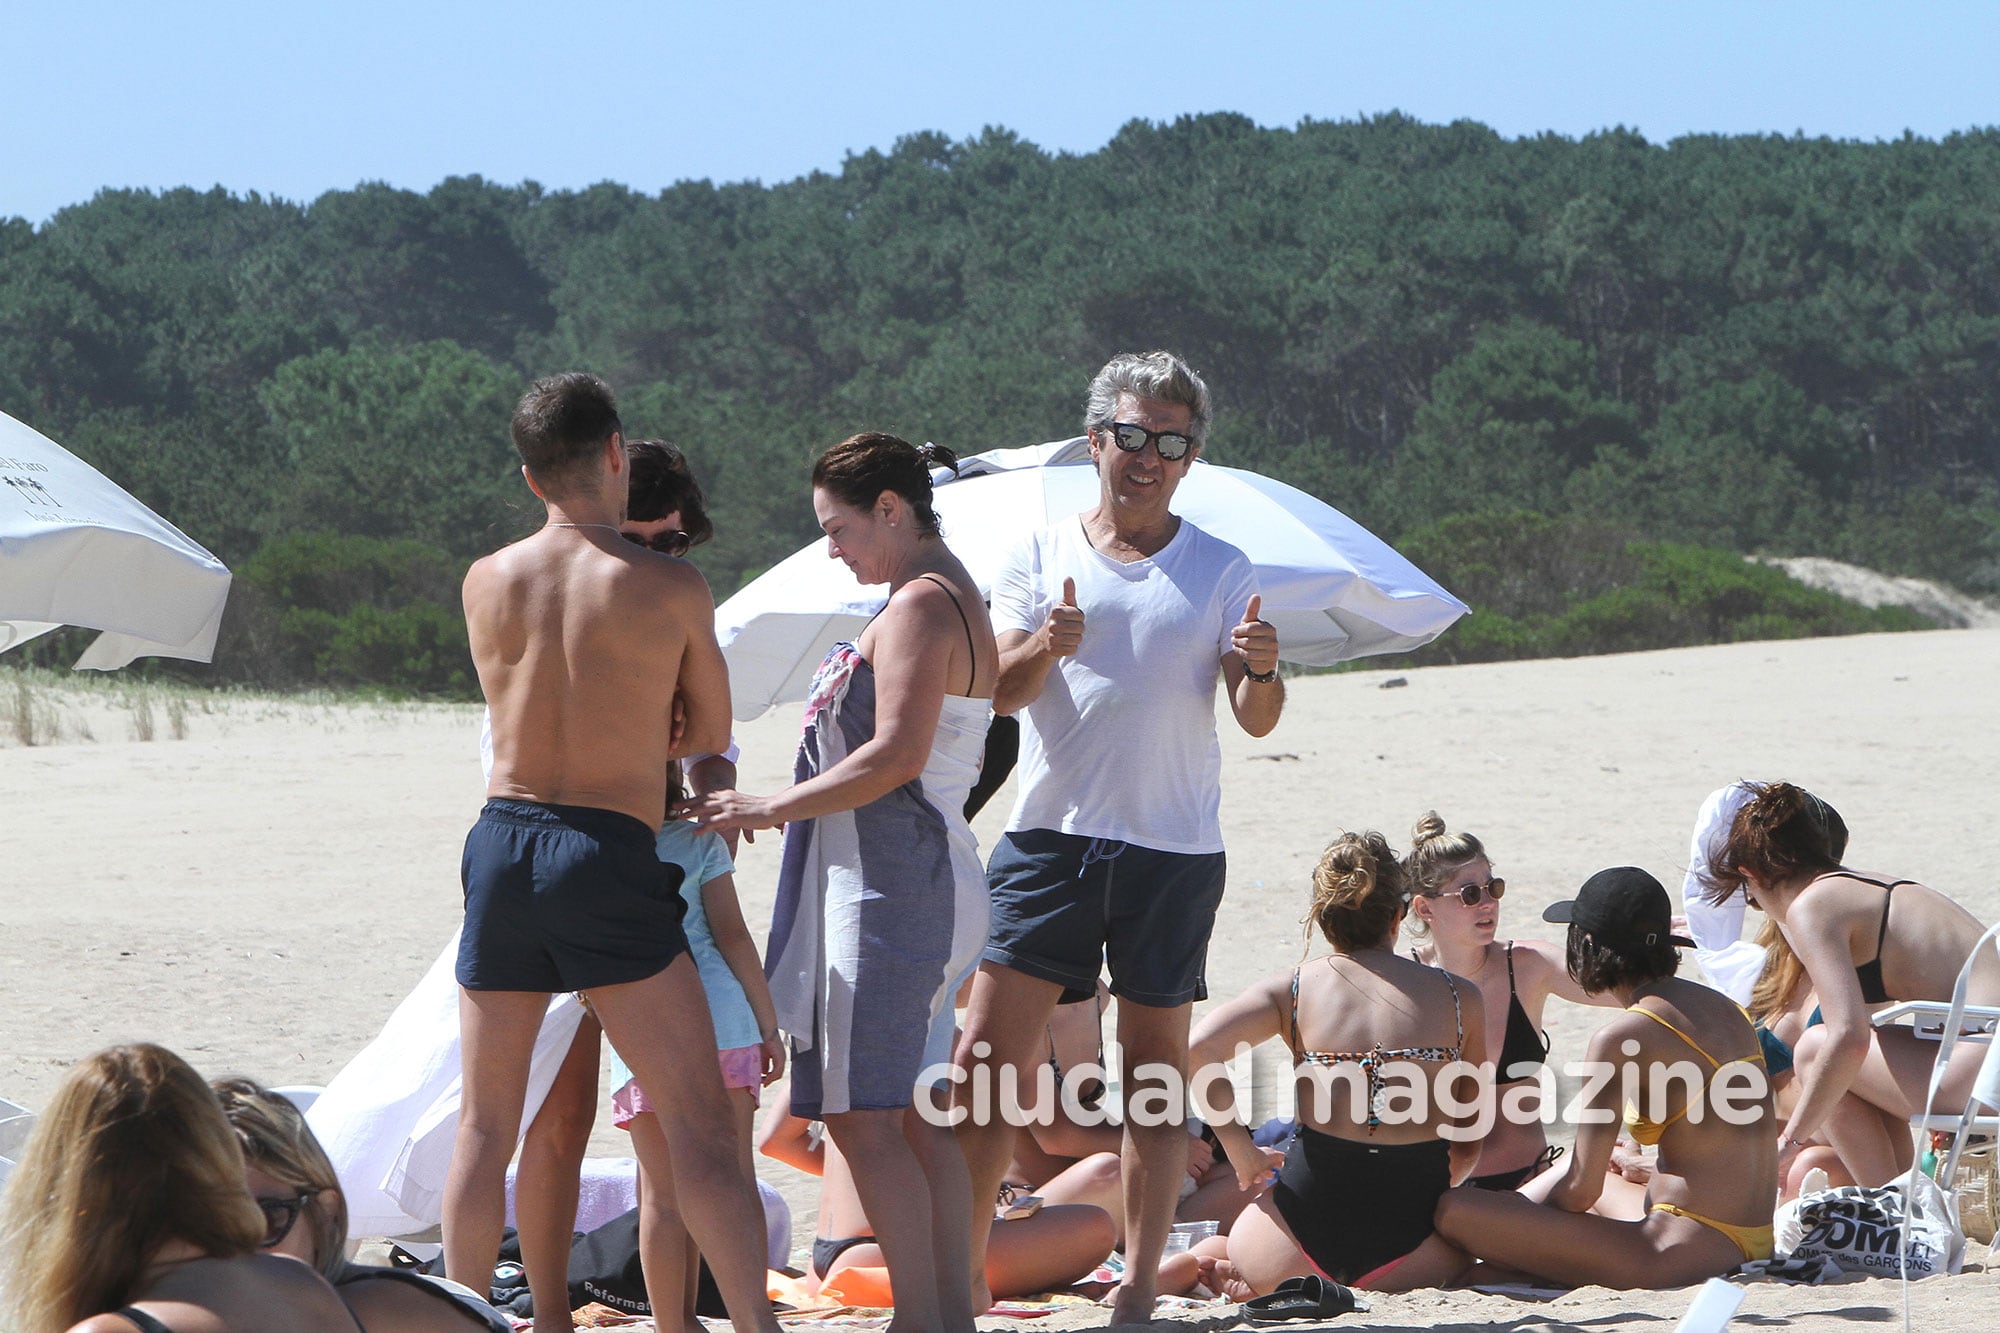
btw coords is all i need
(1064, 905)
(565, 897)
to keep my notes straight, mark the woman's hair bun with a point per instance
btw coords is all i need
(1430, 826)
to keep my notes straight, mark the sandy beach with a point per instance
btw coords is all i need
(260, 892)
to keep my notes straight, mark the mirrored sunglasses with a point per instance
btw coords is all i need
(1171, 445)
(670, 542)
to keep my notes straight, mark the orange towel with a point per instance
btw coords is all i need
(867, 1287)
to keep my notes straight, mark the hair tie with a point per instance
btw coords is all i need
(936, 456)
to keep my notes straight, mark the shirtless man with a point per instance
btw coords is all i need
(582, 641)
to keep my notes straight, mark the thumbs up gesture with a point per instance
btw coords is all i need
(1062, 632)
(1255, 640)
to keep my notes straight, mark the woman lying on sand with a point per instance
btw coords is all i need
(1864, 940)
(1696, 1076)
(129, 1212)
(1456, 907)
(1354, 1197)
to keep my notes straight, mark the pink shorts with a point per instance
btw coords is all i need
(742, 1067)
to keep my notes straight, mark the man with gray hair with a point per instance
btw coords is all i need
(1113, 627)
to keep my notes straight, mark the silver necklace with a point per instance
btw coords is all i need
(608, 527)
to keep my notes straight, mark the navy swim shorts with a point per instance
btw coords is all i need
(1065, 905)
(565, 897)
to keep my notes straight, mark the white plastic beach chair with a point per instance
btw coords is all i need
(1947, 1023)
(300, 1095)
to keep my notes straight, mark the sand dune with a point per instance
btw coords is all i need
(260, 893)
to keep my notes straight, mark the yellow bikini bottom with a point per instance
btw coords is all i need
(1754, 1242)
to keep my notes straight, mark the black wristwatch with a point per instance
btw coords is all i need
(1261, 677)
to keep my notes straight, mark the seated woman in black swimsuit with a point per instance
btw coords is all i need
(1457, 908)
(128, 1211)
(1354, 1198)
(1858, 1084)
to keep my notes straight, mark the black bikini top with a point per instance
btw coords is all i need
(1523, 1045)
(1869, 974)
(970, 650)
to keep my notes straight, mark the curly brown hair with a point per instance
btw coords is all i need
(1359, 892)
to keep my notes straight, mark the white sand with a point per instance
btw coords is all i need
(261, 893)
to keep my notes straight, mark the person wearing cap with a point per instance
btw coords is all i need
(1865, 940)
(1690, 1060)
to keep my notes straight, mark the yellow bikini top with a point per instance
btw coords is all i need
(1647, 1132)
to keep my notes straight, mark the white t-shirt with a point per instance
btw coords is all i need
(1731, 963)
(1121, 742)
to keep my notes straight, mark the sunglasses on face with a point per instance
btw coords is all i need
(669, 542)
(1171, 445)
(280, 1216)
(1496, 888)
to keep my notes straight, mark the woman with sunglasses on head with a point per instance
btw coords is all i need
(128, 1212)
(1456, 911)
(305, 1218)
(1690, 1060)
(1864, 940)
(1353, 1199)
(882, 905)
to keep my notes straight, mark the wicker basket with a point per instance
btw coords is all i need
(1978, 1192)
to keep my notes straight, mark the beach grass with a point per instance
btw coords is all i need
(44, 707)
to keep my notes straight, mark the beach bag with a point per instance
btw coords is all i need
(604, 1267)
(1862, 1229)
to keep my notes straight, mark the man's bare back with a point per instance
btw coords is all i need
(588, 647)
(582, 641)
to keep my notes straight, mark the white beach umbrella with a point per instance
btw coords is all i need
(1333, 590)
(77, 550)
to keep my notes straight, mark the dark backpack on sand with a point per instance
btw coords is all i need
(603, 1267)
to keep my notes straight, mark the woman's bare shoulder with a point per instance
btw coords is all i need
(104, 1323)
(388, 1304)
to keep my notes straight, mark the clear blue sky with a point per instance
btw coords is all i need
(296, 97)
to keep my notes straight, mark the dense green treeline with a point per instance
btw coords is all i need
(1772, 344)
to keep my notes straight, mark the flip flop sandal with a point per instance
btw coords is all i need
(1301, 1298)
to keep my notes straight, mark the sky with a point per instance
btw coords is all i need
(292, 98)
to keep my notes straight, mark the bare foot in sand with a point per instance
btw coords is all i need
(1132, 1304)
(1220, 1277)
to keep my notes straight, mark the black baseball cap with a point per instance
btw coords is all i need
(1622, 906)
